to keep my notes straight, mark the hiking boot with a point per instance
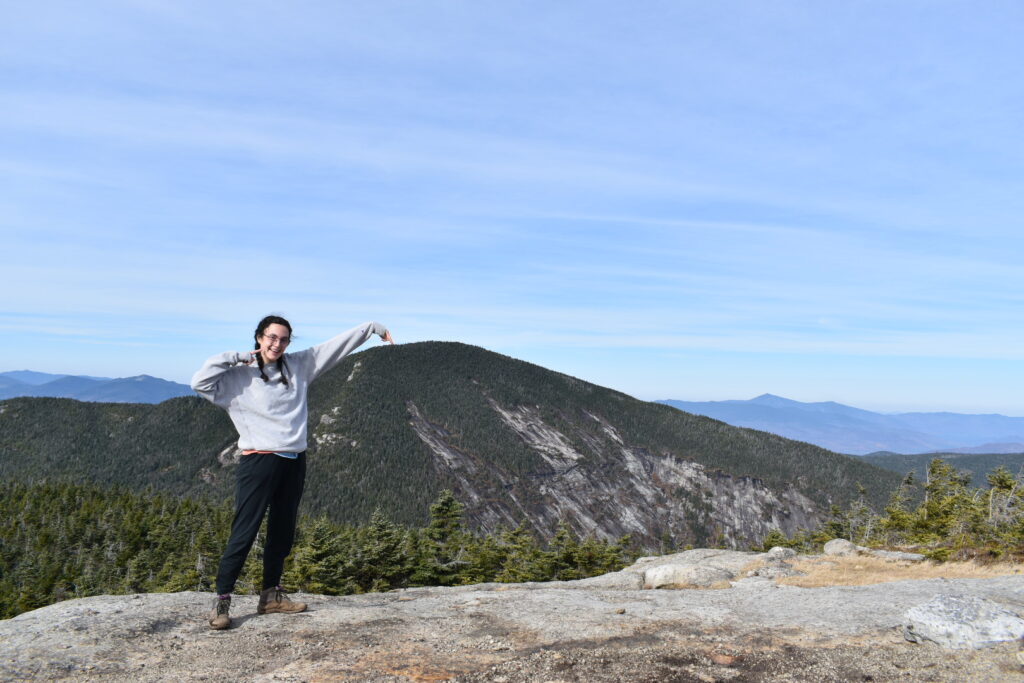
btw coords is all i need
(219, 618)
(274, 600)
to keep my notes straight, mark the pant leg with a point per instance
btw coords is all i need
(254, 487)
(283, 513)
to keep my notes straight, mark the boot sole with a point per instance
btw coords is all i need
(264, 610)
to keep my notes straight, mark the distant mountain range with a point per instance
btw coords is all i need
(854, 431)
(139, 389)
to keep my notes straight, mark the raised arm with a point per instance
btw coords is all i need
(325, 356)
(205, 381)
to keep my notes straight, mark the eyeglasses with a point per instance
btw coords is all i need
(274, 339)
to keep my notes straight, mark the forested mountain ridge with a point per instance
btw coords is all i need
(975, 465)
(391, 427)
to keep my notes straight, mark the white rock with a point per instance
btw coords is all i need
(780, 553)
(623, 580)
(897, 555)
(840, 546)
(680, 576)
(961, 622)
(778, 570)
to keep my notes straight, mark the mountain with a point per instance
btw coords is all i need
(140, 389)
(37, 378)
(391, 427)
(844, 429)
(11, 384)
(976, 465)
(990, 448)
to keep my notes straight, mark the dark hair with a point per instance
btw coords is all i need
(260, 329)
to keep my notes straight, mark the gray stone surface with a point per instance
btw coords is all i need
(420, 634)
(897, 555)
(686, 576)
(433, 633)
(607, 627)
(780, 553)
(777, 570)
(703, 567)
(962, 622)
(841, 547)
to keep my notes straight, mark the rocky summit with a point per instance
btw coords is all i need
(717, 617)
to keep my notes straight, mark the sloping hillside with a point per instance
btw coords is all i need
(977, 465)
(393, 426)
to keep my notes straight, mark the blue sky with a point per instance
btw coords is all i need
(685, 200)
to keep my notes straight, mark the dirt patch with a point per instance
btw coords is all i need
(864, 570)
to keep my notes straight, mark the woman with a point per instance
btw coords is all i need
(264, 392)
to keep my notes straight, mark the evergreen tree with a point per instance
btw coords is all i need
(379, 560)
(315, 565)
(440, 549)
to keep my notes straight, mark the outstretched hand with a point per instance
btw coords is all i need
(387, 337)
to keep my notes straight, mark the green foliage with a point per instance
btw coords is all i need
(60, 541)
(974, 464)
(951, 521)
(772, 539)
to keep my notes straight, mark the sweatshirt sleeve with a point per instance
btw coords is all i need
(205, 382)
(325, 356)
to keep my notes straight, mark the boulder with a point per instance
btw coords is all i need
(622, 580)
(780, 553)
(961, 622)
(897, 555)
(841, 547)
(686, 576)
(777, 570)
(732, 560)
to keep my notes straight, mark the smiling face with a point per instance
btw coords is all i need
(273, 342)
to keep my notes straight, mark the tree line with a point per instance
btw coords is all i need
(62, 540)
(943, 517)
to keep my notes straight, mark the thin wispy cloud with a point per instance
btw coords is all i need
(674, 195)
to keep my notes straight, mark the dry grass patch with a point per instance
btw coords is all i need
(862, 570)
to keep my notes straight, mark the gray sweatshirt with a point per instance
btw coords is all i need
(272, 416)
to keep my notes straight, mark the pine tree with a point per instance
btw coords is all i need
(564, 557)
(316, 562)
(440, 549)
(524, 560)
(380, 560)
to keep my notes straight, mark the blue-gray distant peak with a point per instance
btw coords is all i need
(773, 400)
(138, 389)
(846, 429)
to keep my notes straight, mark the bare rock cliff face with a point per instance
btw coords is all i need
(602, 486)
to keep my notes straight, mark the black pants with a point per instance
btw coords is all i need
(266, 482)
